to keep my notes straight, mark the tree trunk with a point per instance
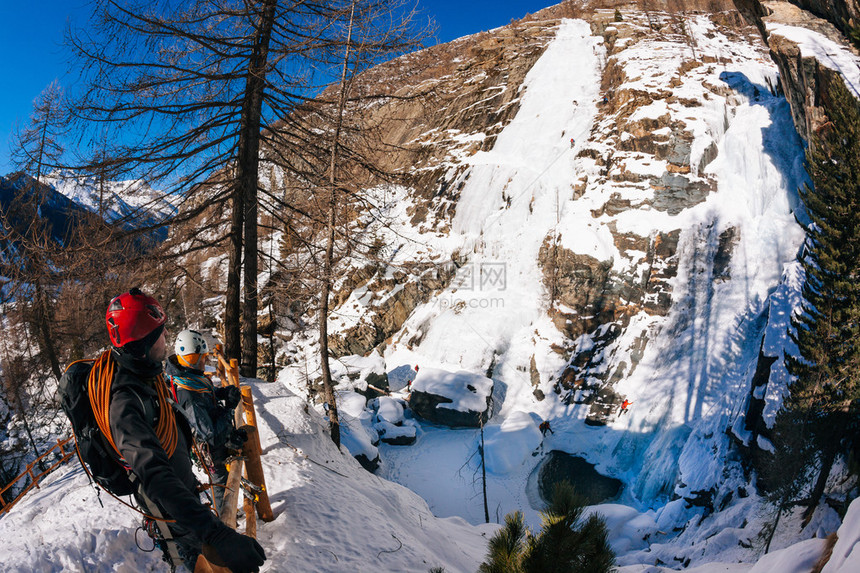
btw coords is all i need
(240, 336)
(773, 529)
(232, 327)
(247, 171)
(29, 432)
(328, 386)
(328, 263)
(41, 305)
(484, 473)
(828, 456)
(43, 322)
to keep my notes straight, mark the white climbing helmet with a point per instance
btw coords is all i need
(190, 346)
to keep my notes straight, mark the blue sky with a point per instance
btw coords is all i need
(31, 32)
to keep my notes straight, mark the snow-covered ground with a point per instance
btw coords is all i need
(330, 514)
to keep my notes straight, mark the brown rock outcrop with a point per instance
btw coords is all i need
(802, 76)
(397, 297)
(426, 405)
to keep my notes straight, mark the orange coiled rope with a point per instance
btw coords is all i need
(99, 386)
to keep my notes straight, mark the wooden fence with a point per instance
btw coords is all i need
(256, 501)
(66, 451)
(253, 487)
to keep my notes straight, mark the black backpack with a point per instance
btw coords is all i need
(94, 451)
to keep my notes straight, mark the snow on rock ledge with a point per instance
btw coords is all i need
(357, 433)
(392, 434)
(390, 424)
(451, 398)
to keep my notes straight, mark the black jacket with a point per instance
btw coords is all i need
(207, 416)
(167, 481)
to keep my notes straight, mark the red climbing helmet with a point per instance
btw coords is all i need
(133, 316)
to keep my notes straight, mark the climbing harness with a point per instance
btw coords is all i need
(157, 529)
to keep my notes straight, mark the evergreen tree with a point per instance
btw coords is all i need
(821, 404)
(507, 547)
(565, 544)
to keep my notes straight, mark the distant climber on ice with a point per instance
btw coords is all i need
(572, 142)
(544, 428)
(624, 405)
(411, 380)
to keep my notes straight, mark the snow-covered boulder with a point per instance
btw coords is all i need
(359, 439)
(352, 403)
(402, 435)
(451, 398)
(389, 410)
(365, 374)
(509, 444)
(357, 432)
(390, 423)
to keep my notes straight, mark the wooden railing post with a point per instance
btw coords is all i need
(250, 515)
(252, 452)
(229, 375)
(245, 415)
(234, 477)
(219, 363)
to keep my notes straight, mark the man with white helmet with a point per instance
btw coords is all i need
(209, 410)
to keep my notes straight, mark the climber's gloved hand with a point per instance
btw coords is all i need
(237, 439)
(239, 553)
(230, 394)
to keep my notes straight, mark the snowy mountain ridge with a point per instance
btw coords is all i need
(132, 203)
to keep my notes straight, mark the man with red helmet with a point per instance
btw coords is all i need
(154, 443)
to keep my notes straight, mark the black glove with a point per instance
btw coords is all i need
(239, 553)
(237, 439)
(230, 394)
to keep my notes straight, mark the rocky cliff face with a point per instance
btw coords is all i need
(448, 102)
(810, 43)
(593, 210)
(455, 99)
(802, 73)
(842, 14)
